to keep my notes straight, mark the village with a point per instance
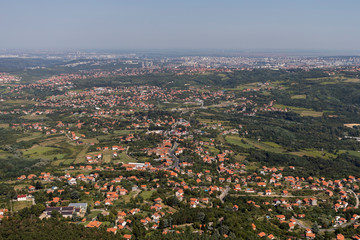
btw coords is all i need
(124, 158)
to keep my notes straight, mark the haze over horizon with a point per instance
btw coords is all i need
(160, 24)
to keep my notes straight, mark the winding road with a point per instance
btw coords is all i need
(172, 155)
(351, 222)
(356, 197)
(224, 193)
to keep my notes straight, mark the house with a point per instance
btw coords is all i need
(179, 193)
(127, 236)
(123, 192)
(291, 226)
(340, 237)
(3, 211)
(268, 192)
(158, 200)
(134, 211)
(121, 214)
(156, 207)
(66, 212)
(113, 230)
(313, 201)
(271, 236)
(22, 197)
(71, 181)
(205, 200)
(83, 206)
(253, 226)
(156, 217)
(94, 224)
(310, 235)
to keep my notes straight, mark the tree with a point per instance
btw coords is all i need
(315, 228)
(200, 216)
(75, 217)
(55, 214)
(74, 195)
(138, 230)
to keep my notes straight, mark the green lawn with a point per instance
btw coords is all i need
(94, 213)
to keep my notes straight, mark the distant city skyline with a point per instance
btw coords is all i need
(262, 25)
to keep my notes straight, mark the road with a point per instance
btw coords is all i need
(356, 197)
(351, 222)
(269, 196)
(172, 155)
(224, 193)
(327, 229)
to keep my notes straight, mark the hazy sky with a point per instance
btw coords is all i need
(182, 24)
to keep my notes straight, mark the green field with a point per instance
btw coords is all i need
(4, 125)
(316, 153)
(239, 157)
(352, 80)
(19, 102)
(311, 113)
(44, 152)
(20, 205)
(249, 143)
(34, 117)
(272, 144)
(124, 158)
(146, 194)
(107, 156)
(267, 146)
(212, 121)
(4, 154)
(80, 157)
(126, 198)
(298, 96)
(304, 112)
(237, 141)
(30, 137)
(354, 153)
(213, 150)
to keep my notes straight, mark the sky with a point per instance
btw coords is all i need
(181, 24)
